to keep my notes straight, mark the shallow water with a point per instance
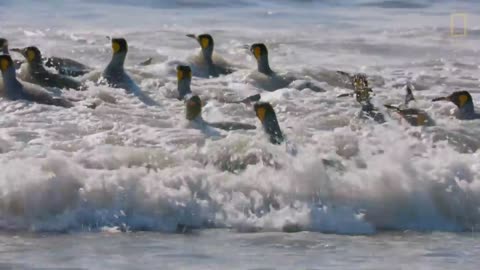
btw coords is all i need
(130, 167)
(220, 249)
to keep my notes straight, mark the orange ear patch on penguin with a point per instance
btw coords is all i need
(204, 42)
(119, 45)
(4, 63)
(31, 55)
(463, 99)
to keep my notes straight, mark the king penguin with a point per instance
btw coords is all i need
(414, 117)
(266, 114)
(15, 90)
(268, 119)
(193, 112)
(362, 95)
(464, 102)
(270, 80)
(184, 79)
(4, 49)
(36, 73)
(115, 74)
(66, 66)
(207, 45)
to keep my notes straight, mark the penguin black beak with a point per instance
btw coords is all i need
(192, 36)
(345, 95)
(4, 45)
(391, 107)
(441, 98)
(344, 74)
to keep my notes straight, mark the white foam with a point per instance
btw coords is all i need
(125, 166)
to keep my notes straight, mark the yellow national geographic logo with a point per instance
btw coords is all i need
(458, 25)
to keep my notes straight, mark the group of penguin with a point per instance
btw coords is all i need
(34, 79)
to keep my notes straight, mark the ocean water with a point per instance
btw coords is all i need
(130, 186)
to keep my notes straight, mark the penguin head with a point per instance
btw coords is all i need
(460, 98)
(3, 43)
(262, 110)
(184, 78)
(259, 50)
(184, 73)
(6, 62)
(206, 43)
(119, 46)
(32, 54)
(268, 118)
(193, 107)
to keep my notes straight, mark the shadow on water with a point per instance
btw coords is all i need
(134, 89)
